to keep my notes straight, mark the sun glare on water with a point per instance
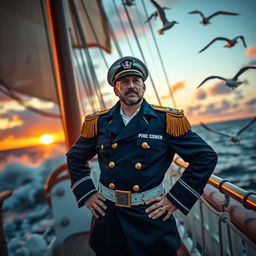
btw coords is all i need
(46, 139)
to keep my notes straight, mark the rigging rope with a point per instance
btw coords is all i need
(83, 75)
(147, 41)
(123, 28)
(141, 52)
(160, 56)
(87, 53)
(94, 33)
(88, 86)
(112, 34)
(10, 93)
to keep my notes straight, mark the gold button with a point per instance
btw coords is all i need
(136, 188)
(138, 166)
(111, 164)
(114, 145)
(111, 185)
(145, 145)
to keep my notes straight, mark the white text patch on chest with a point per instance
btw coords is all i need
(150, 136)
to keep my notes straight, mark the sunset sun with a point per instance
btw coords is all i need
(46, 139)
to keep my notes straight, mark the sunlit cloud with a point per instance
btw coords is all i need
(12, 141)
(191, 110)
(178, 86)
(219, 89)
(251, 101)
(10, 122)
(200, 94)
(12, 105)
(251, 52)
(217, 108)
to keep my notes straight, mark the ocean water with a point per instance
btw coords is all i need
(24, 171)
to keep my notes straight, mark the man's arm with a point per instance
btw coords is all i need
(77, 159)
(202, 160)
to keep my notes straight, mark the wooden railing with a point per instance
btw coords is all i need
(247, 199)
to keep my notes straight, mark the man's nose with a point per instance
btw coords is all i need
(131, 84)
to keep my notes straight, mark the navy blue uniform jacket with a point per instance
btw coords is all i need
(130, 228)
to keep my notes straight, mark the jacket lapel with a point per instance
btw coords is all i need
(137, 124)
(115, 122)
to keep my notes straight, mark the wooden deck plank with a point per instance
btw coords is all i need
(75, 245)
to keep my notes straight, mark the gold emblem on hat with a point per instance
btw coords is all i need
(126, 64)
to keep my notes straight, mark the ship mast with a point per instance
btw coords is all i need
(66, 86)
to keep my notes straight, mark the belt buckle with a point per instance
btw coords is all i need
(123, 198)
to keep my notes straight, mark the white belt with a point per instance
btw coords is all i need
(124, 198)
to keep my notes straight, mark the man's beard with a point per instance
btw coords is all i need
(131, 101)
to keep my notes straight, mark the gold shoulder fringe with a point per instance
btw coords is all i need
(90, 125)
(176, 122)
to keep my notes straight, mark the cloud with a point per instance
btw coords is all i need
(215, 108)
(200, 94)
(33, 125)
(10, 122)
(12, 105)
(252, 62)
(219, 89)
(251, 102)
(251, 52)
(238, 95)
(191, 110)
(178, 86)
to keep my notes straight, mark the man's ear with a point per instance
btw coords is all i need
(116, 91)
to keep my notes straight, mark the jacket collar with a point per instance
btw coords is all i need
(139, 122)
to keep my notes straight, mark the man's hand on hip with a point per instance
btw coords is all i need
(162, 207)
(95, 204)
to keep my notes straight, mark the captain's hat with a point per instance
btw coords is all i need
(126, 66)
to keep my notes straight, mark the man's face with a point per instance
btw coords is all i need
(130, 89)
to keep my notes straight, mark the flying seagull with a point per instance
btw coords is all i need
(230, 42)
(161, 14)
(232, 137)
(206, 20)
(128, 2)
(155, 14)
(233, 82)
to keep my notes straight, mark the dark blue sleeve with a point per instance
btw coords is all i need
(202, 160)
(77, 159)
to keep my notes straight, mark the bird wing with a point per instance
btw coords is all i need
(246, 126)
(221, 12)
(210, 77)
(242, 39)
(160, 12)
(242, 70)
(215, 39)
(197, 12)
(211, 130)
(151, 16)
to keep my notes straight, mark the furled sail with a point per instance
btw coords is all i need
(26, 60)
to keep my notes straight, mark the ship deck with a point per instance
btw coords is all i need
(74, 245)
(78, 245)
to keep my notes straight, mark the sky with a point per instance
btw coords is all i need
(185, 67)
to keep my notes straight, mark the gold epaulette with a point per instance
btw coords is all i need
(90, 125)
(176, 122)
